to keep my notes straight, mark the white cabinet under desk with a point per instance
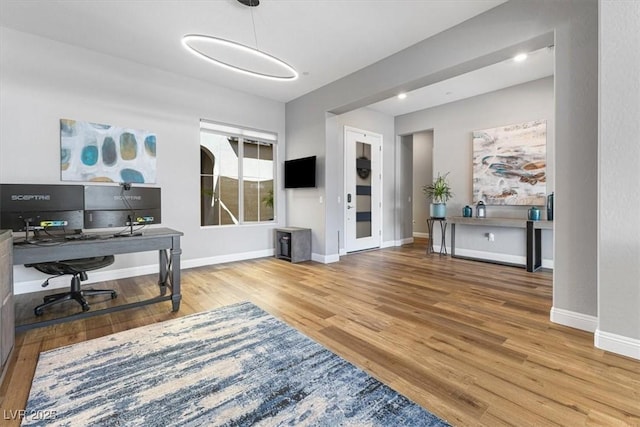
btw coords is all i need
(532, 229)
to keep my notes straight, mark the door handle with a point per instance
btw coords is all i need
(349, 207)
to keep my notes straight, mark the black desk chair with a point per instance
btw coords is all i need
(78, 269)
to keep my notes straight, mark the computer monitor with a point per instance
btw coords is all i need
(123, 206)
(36, 207)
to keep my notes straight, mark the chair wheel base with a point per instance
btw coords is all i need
(78, 296)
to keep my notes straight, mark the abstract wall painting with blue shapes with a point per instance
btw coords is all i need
(104, 153)
(510, 164)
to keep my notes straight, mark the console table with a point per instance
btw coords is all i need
(165, 240)
(533, 231)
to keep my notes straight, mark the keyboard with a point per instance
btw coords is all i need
(81, 237)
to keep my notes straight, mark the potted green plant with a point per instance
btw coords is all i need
(268, 199)
(439, 192)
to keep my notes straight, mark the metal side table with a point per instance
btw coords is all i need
(443, 235)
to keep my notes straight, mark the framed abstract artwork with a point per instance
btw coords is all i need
(104, 153)
(510, 164)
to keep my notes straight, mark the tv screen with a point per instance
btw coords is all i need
(300, 173)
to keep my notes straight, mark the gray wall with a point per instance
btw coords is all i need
(43, 81)
(619, 173)
(305, 207)
(496, 35)
(422, 175)
(452, 126)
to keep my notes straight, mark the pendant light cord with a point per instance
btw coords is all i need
(255, 35)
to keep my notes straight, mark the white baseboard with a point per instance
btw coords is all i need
(389, 244)
(498, 257)
(436, 249)
(618, 344)
(406, 241)
(104, 275)
(221, 259)
(30, 286)
(575, 320)
(422, 235)
(491, 256)
(325, 259)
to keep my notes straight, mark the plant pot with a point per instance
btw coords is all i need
(438, 210)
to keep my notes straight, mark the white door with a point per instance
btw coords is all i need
(363, 178)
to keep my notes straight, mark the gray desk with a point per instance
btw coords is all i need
(165, 240)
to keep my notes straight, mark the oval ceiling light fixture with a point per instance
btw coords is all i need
(288, 74)
(520, 57)
(402, 95)
(247, 62)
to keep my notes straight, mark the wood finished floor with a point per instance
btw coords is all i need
(469, 341)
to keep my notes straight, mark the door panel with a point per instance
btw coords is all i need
(362, 178)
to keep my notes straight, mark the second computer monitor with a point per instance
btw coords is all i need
(109, 206)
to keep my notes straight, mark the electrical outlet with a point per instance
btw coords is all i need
(491, 237)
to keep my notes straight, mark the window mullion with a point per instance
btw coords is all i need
(258, 182)
(240, 180)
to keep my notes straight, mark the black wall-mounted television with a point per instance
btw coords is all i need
(300, 173)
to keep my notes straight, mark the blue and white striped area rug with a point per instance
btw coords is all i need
(233, 366)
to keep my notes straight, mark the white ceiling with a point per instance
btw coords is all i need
(539, 64)
(323, 39)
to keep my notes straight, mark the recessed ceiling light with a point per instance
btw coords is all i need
(520, 57)
(402, 95)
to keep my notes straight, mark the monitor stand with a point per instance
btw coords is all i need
(131, 233)
(137, 233)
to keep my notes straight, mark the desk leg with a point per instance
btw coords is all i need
(163, 262)
(176, 296)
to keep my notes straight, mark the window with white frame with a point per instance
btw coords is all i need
(237, 169)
